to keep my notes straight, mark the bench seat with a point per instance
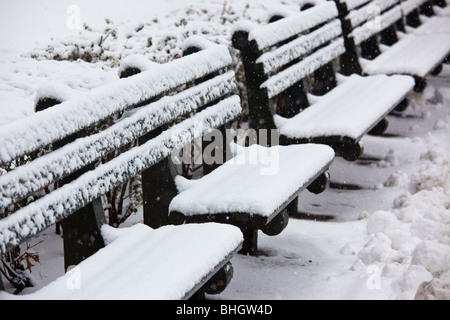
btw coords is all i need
(415, 55)
(349, 110)
(252, 188)
(434, 25)
(142, 263)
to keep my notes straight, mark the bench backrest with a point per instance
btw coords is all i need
(155, 98)
(412, 9)
(277, 57)
(366, 24)
(366, 19)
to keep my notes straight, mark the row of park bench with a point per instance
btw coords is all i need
(321, 79)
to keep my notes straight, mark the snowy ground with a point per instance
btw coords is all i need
(388, 237)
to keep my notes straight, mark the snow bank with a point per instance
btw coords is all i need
(411, 242)
(410, 5)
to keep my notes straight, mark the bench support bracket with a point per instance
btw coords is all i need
(250, 245)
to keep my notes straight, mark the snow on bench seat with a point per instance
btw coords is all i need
(414, 55)
(348, 110)
(142, 263)
(443, 12)
(434, 25)
(256, 183)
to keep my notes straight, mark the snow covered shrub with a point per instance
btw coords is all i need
(16, 265)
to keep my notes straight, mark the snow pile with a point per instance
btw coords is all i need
(411, 243)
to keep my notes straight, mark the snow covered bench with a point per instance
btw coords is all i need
(288, 59)
(426, 23)
(367, 24)
(442, 8)
(254, 190)
(138, 262)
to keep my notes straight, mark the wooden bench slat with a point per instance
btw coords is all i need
(41, 172)
(286, 78)
(370, 11)
(44, 212)
(283, 55)
(288, 27)
(170, 263)
(26, 135)
(368, 29)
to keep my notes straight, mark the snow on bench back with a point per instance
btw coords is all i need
(31, 133)
(61, 202)
(410, 5)
(313, 37)
(37, 216)
(353, 4)
(37, 174)
(373, 17)
(293, 25)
